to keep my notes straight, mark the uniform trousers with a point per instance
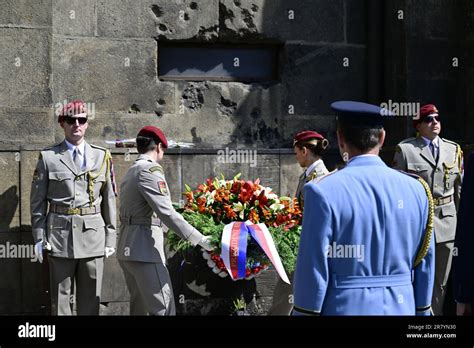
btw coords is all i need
(83, 275)
(150, 288)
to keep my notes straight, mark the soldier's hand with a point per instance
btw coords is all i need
(205, 243)
(109, 251)
(39, 251)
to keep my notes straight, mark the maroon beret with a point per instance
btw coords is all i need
(155, 133)
(305, 136)
(75, 108)
(425, 110)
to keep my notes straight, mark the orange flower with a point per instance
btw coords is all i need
(229, 212)
(253, 216)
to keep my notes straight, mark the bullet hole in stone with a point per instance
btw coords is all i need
(134, 109)
(254, 8)
(161, 102)
(157, 10)
(237, 3)
(163, 27)
(158, 113)
(227, 107)
(186, 17)
(193, 6)
(107, 130)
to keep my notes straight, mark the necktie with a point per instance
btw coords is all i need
(433, 150)
(77, 159)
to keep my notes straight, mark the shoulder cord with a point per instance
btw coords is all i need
(429, 225)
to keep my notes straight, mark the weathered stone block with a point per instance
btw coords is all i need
(307, 20)
(32, 127)
(439, 19)
(26, 12)
(76, 17)
(337, 73)
(9, 191)
(356, 21)
(114, 75)
(240, 114)
(25, 68)
(170, 20)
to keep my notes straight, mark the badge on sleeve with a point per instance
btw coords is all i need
(163, 188)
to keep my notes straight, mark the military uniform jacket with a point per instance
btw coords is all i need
(316, 174)
(362, 229)
(57, 181)
(443, 177)
(144, 197)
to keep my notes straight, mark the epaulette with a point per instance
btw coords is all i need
(413, 175)
(158, 169)
(450, 142)
(98, 147)
(52, 146)
(328, 174)
(408, 140)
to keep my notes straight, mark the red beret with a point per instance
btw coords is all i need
(154, 132)
(306, 136)
(425, 110)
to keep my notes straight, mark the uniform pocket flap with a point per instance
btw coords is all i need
(417, 167)
(60, 176)
(448, 210)
(93, 223)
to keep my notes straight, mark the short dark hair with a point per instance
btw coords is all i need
(146, 144)
(317, 150)
(362, 138)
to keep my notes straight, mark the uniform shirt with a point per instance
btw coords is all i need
(81, 148)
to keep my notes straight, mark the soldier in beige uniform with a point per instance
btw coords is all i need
(439, 162)
(309, 147)
(73, 214)
(146, 210)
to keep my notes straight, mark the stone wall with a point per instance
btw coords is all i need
(107, 52)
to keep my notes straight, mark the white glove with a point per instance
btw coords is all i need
(205, 243)
(109, 251)
(39, 251)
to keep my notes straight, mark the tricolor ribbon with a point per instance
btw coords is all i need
(234, 248)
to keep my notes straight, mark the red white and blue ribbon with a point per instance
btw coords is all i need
(234, 248)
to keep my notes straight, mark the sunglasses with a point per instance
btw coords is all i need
(429, 119)
(72, 120)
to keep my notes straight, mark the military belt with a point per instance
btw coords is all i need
(377, 281)
(146, 221)
(443, 200)
(60, 209)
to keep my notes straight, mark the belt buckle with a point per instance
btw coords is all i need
(73, 211)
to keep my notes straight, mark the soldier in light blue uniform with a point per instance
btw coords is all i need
(366, 246)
